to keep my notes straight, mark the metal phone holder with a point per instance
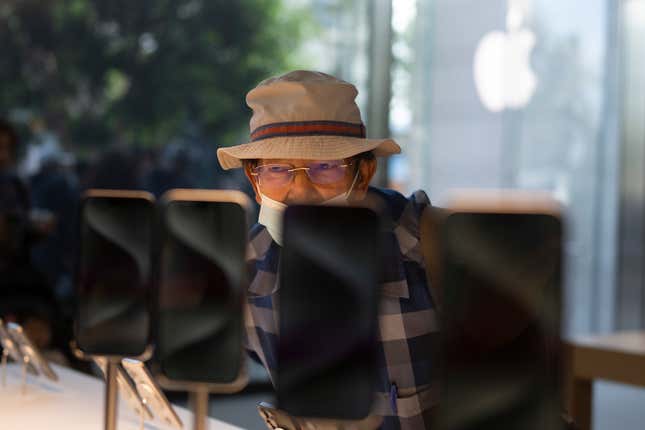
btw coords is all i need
(198, 394)
(11, 348)
(199, 237)
(24, 365)
(111, 394)
(111, 385)
(5, 356)
(199, 406)
(24, 352)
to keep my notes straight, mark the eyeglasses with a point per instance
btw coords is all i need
(276, 176)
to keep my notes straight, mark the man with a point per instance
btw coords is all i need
(308, 146)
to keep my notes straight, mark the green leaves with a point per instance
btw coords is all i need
(141, 69)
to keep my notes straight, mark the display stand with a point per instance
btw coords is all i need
(111, 386)
(74, 403)
(23, 386)
(204, 231)
(142, 417)
(5, 356)
(198, 393)
(199, 407)
(111, 394)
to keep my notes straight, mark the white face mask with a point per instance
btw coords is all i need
(272, 211)
(343, 198)
(271, 214)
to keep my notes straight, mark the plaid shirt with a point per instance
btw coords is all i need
(409, 333)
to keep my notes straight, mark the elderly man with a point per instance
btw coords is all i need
(308, 146)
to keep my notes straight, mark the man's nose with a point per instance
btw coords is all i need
(302, 190)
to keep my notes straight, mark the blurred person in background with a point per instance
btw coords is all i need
(308, 146)
(114, 169)
(25, 296)
(173, 170)
(54, 188)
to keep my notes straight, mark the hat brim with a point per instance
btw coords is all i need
(305, 148)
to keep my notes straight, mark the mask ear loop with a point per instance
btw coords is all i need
(256, 179)
(356, 176)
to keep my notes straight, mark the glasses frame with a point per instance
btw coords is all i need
(295, 169)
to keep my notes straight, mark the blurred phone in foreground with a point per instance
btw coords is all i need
(201, 276)
(501, 277)
(113, 315)
(329, 290)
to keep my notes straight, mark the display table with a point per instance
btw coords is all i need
(74, 402)
(619, 357)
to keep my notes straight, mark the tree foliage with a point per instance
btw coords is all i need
(140, 70)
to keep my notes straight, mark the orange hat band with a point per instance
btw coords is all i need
(308, 128)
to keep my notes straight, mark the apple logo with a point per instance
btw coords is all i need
(502, 69)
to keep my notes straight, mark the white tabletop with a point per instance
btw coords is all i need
(74, 402)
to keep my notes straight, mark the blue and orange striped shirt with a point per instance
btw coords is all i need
(408, 323)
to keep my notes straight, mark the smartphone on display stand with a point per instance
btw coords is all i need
(114, 286)
(501, 258)
(201, 278)
(329, 293)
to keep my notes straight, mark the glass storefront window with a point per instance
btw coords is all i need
(479, 121)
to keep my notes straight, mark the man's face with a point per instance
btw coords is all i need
(324, 180)
(6, 152)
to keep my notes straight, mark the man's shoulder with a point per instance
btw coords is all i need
(397, 206)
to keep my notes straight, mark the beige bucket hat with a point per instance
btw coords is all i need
(304, 115)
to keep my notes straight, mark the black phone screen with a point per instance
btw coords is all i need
(114, 275)
(501, 321)
(202, 273)
(328, 299)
